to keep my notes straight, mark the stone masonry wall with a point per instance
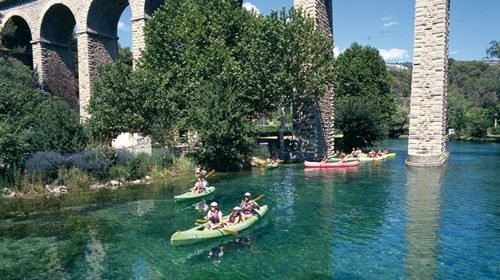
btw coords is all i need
(426, 144)
(313, 122)
(52, 62)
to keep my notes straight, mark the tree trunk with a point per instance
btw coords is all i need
(282, 132)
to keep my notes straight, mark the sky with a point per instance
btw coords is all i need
(387, 25)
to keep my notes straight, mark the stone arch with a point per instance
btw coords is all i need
(102, 20)
(21, 38)
(55, 44)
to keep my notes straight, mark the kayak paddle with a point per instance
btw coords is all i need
(201, 221)
(210, 173)
(260, 196)
(229, 231)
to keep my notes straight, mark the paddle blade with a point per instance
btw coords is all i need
(282, 160)
(230, 231)
(201, 221)
(260, 196)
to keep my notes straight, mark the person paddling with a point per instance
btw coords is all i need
(214, 216)
(248, 207)
(199, 186)
(234, 217)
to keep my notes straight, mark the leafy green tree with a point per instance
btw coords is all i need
(494, 50)
(478, 121)
(58, 129)
(291, 60)
(222, 126)
(202, 44)
(360, 120)
(457, 107)
(126, 101)
(13, 144)
(362, 76)
(270, 60)
(470, 77)
(125, 55)
(20, 104)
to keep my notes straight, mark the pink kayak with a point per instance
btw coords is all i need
(331, 164)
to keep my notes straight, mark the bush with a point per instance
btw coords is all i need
(130, 167)
(183, 165)
(361, 122)
(58, 129)
(223, 125)
(162, 158)
(90, 161)
(44, 164)
(11, 176)
(13, 144)
(108, 152)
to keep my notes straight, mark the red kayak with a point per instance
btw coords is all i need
(331, 164)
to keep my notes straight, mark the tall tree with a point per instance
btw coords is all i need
(291, 60)
(494, 50)
(362, 75)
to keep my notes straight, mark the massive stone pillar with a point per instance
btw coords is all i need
(57, 71)
(138, 25)
(313, 121)
(93, 49)
(426, 145)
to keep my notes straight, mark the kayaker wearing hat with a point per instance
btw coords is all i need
(248, 207)
(200, 186)
(214, 216)
(234, 217)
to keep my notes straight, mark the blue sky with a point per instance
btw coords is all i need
(388, 26)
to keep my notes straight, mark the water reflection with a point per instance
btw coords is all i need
(94, 256)
(144, 206)
(423, 204)
(200, 206)
(342, 174)
(233, 246)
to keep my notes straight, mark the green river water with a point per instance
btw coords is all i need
(380, 220)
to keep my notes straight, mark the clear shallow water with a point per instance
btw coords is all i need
(381, 220)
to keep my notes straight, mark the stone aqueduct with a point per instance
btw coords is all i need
(45, 28)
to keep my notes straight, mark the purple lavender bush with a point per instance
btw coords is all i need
(90, 161)
(44, 164)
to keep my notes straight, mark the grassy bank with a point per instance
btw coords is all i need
(93, 168)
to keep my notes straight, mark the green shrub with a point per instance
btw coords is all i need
(13, 144)
(108, 152)
(58, 128)
(130, 167)
(119, 172)
(143, 166)
(183, 165)
(10, 176)
(162, 158)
